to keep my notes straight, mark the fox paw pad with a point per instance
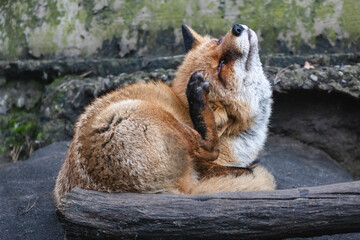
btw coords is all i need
(197, 90)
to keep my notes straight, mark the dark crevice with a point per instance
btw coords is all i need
(327, 121)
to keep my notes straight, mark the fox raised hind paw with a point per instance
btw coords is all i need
(197, 91)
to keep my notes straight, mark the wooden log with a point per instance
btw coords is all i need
(299, 212)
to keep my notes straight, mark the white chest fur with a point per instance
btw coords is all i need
(255, 90)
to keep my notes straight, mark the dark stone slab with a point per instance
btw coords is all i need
(26, 184)
(295, 164)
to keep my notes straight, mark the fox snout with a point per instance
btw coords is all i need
(237, 29)
(243, 38)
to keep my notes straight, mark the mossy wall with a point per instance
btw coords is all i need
(120, 28)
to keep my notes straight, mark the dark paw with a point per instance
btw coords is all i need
(197, 90)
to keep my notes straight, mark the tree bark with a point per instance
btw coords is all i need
(299, 212)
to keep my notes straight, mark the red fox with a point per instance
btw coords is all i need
(201, 135)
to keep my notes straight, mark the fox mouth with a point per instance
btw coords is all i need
(249, 37)
(250, 53)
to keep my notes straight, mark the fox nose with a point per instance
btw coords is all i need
(237, 29)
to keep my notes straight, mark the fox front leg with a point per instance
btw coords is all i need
(202, 117)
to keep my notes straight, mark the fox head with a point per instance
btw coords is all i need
(232, 65)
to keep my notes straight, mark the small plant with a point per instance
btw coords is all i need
(20, 137)
(15, 153)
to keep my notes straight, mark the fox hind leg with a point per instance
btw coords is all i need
(196, 92)
(136, 146)
(204, 123)
(202, 117)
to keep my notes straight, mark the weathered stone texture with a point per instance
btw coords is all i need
(116, 28)
(343, 79)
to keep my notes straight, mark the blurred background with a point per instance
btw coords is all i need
(48, 29)
(56, 56)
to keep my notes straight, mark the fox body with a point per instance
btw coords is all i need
(201, 135)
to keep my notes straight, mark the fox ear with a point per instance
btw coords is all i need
(191, 38)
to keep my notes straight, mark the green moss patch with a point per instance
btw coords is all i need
(19, 131)
(351, 19)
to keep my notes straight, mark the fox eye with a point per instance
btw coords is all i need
(221, 65)
(218, 42)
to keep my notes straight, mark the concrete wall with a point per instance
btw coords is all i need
(120, 28)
